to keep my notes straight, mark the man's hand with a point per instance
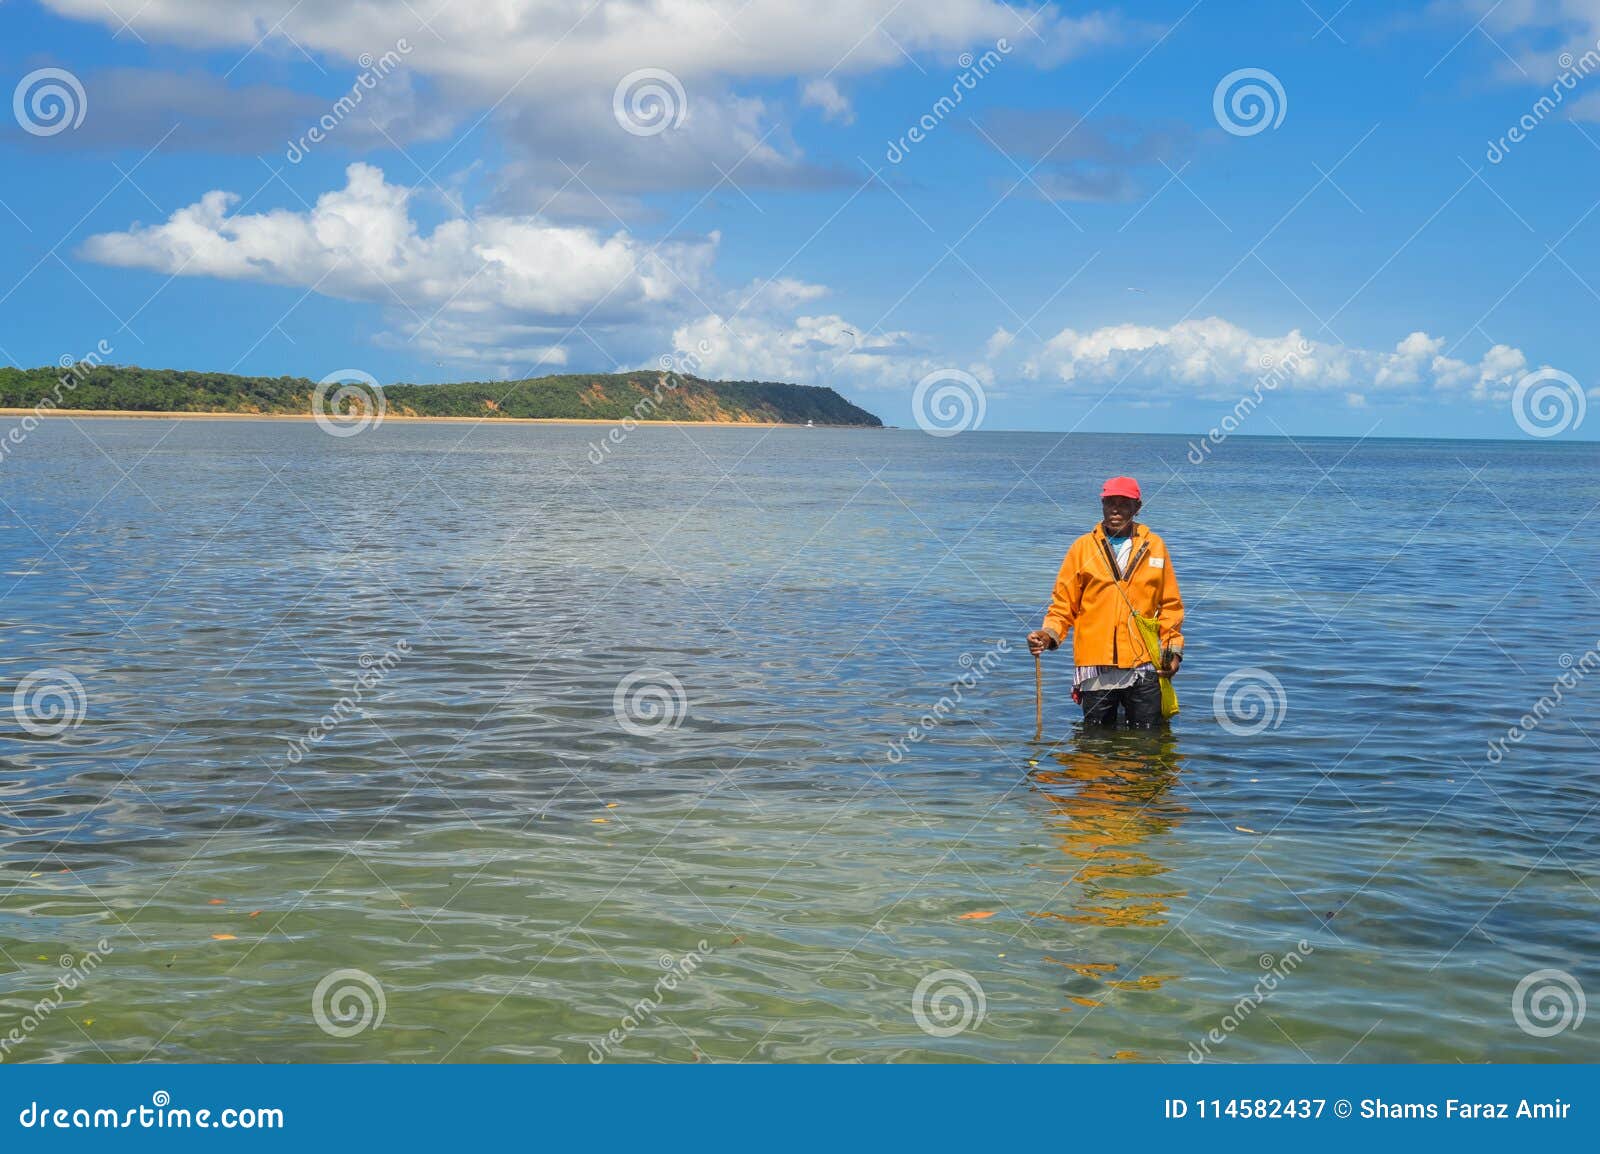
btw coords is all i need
(1174, 660)
(1039, 641)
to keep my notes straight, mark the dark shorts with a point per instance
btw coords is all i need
(1140, 703)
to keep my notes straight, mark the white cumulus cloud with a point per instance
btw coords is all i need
(544, 72)
(808, 350)
(1214, 358)
(824, 94)
(490, 282)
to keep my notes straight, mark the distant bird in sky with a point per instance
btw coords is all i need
(1136, 290)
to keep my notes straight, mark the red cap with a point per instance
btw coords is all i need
(1121, 487)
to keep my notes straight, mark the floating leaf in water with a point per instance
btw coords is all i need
(599, 820)
(611, 805)
(223, 938)
(216, 902)
(255, 913)
(88, 1021)
(1090, 1002)
(974, 915)
(1244, 829)
(1083, 969)
(1148, 982)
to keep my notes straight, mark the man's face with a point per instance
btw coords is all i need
(1117, 514)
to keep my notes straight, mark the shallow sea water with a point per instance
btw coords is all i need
(742, 871)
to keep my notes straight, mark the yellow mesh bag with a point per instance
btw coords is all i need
(1150, 634)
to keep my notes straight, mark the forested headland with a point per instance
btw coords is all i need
(641, 395)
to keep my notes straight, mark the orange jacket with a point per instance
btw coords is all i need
(1087, 602)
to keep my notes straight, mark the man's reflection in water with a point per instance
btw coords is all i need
(1107, 793)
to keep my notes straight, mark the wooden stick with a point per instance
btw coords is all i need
(1038, 698)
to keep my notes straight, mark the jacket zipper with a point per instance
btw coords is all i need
(1133, 565)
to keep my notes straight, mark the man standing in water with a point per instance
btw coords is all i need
(1111, 572)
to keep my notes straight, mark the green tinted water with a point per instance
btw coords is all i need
(522, 865)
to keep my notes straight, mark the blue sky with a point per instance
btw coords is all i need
(1081, 240)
